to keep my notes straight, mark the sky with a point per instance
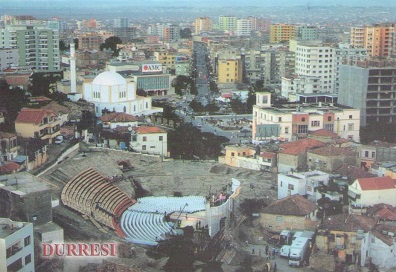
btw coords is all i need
(49, 3)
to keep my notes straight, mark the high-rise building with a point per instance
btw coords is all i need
(202, 24)
(316, 60)
(121, 23)
(227, 23)
(244, 27)
(37, 44)
(8, 57)
(16, 246)
(282, 33)
(377, 39)
(306, 33)
(371, 87)
(171, 33)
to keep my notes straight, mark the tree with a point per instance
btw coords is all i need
(185, 33)
(43, 84)
(237, 105)
(211, 108)
(181, 83)
(196, 106)
(111, 43)
(13, 100)
(141, 92)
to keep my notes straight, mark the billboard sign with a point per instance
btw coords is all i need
(151, 68)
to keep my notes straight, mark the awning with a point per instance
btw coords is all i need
(19, 159)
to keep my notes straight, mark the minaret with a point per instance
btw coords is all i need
(73, 80)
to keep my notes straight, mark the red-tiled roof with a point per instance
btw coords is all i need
(381, 231)
(330, 151)
(118, 117)
(378, 183)
(56, 108)
(9, 167)
(353, 172)
(267, 155)
(324, 133)
(386, 214)
(39, 99)
(348, 222)
(147, 130)
(7, 135)
(33, 116)
(292, 205)
(300, 146)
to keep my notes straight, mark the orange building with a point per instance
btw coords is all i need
(282, 33)
(377, 39)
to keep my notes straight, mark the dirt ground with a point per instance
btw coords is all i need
(159, 178)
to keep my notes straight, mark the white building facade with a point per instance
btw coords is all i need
(110, 91)
(149, 140)
(16, 246)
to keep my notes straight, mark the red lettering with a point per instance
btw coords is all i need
(72, 250)
(113, 250)
(84, 249)
(48, 250)
(105, 249)
(59, 250)
(95, 249)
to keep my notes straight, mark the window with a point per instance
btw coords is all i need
(302, 129)
(143, 147)
(366, 154)
(303, 119)
(15, 266)
(279, 119)
(315, 123)
(329, 118)
(329, 127)
(350, 116)
(286, 130)
(373, 154)
(290, 187)
(27, 241)
(350, 127)
(144, 139)
(232, 154)
(161, 138)
(28, 259)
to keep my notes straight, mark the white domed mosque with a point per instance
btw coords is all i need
(109, 90)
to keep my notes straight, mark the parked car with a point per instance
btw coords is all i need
(59, 139)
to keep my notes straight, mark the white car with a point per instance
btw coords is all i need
(59, 139)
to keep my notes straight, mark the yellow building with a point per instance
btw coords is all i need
(203, 24)
(342, 235)
(38, 123)
(282, 33)
(229, 71)
(166, 58)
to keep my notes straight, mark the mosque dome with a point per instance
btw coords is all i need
(109, 78)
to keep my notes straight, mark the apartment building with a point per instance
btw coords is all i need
(244, 27)
(89, 41)
(269, 64)
(282, 33)
(316, 60)
(306, 33)
(16, 246)
(227, 23)
(377, 39)
(8, 57)
(293, 121)
(371, 87)
(203, 24)
(36, 42)
(229, 71)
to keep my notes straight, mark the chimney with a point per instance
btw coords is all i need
(73, 78)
